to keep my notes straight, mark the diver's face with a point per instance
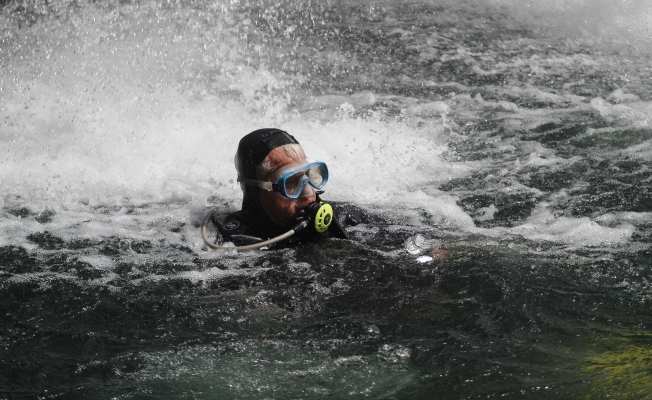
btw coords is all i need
(281, 210)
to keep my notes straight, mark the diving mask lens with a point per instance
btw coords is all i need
(292, 182)
(316, 174)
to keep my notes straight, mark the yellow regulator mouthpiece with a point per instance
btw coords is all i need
(323, 217)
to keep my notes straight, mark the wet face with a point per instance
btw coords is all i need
(281, 210)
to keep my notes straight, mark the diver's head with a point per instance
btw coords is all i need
(282, 210)
(276, 177)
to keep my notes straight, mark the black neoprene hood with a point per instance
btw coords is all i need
(252, 150)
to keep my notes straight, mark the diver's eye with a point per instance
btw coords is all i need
(293, 183)
(315, 176)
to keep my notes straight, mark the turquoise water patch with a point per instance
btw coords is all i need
(616, 139)
(254, 369)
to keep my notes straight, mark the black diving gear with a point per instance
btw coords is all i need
(251, 227)
(246, 233)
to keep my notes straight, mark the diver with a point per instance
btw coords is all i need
(281, 196)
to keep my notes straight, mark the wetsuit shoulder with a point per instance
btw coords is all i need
(246, 227)
(349, 214)
(237, 227)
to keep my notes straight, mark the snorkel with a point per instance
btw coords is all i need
(252, 151)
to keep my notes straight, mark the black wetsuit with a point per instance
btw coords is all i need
(249, 227)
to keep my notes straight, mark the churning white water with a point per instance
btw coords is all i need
(517, 131)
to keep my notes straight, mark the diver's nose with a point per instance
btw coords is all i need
(307, 191)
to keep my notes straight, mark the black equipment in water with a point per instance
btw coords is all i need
(319, 217)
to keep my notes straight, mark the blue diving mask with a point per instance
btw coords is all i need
(290, 180)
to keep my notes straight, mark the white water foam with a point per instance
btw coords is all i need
(117, 108)
(598, 22)
(542, 225)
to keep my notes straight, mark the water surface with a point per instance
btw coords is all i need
(513, 136)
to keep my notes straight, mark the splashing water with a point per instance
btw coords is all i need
(508, 144)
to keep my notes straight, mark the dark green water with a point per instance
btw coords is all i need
(518, 138)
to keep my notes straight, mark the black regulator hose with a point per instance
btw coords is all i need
(319, 216)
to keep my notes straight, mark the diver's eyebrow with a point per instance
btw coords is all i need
(276, 175)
